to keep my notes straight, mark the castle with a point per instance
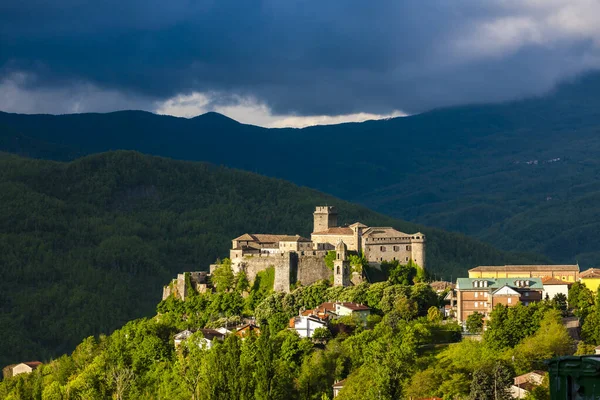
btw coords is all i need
(300, 260)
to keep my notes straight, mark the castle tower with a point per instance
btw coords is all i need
(417, 245)
(341, 265)
(325, 217)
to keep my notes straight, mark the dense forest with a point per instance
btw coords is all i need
(404, 349)
(87, 245)
(522, 176)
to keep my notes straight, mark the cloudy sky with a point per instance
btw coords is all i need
(291, 62)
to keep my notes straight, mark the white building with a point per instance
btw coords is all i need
(553, 286)
(306, 325)
(25, 367)
(208, 337)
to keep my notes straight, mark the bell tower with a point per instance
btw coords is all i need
(341, 265)
(325, 217)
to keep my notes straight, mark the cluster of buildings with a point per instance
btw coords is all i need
(310, 320)
(297, 259)
(209, 336)
(488, 286)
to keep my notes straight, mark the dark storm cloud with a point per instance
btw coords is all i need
(304, 57)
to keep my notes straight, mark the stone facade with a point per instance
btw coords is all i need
(377, 243)
(341, 266)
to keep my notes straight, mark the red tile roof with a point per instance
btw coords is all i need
(339, 384)
(548, 280)
(354, 306)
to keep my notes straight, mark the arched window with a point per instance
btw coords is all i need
(338, 269)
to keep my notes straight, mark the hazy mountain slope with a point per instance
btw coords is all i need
(470, 169)
(88, 245)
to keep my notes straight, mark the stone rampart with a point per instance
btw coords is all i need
(312, 268)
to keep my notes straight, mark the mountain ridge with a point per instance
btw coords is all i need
(462, 169)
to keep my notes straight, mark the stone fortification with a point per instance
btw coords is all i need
(300, 260)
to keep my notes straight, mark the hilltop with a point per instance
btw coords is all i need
(521, 175)
(88, 245)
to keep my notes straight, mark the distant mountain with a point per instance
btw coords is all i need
(87, 245)
(522, 175)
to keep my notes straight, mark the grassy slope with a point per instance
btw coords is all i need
(87, 245)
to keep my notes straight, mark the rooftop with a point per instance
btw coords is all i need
(516, 268)
(32, 364)
(467, 283)
(268, 238)
(339, 384)
(590, 273)
(340, 230)
(548, 280)
(387, 232)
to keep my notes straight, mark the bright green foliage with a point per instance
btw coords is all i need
(507, 326)
(329, 259)
(222, 277)
(400, 274)
(434, 314)
(550, 340)
(474, 322)
(357, 262)
(321, 334)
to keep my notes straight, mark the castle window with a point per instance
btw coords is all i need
(396, 248)
(406, 258)
(407, 248)
(382, 248)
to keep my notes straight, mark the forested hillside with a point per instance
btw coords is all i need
(403, 350)
(87, 245)
(522, 175)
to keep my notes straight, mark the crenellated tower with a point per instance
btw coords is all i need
(325, 217)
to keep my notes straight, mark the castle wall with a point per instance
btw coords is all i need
(254, 264)
(283, 272)
(312, 268)
(349, 240)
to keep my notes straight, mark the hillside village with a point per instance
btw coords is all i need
(324, 289)
(297, 260)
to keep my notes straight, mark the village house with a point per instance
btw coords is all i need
(207, 340)
(306, 325)
(25, 367)
(483, 294)
(337, 387)
(567, 273)
(524, 384)
(246, 330)
(553, 286)
(591, 278)
(334, 310)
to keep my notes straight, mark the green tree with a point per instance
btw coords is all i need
(492, 383)
(434, 314)
(474, 323)
(222, 277)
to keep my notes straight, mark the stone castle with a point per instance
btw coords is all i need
(300, 260)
